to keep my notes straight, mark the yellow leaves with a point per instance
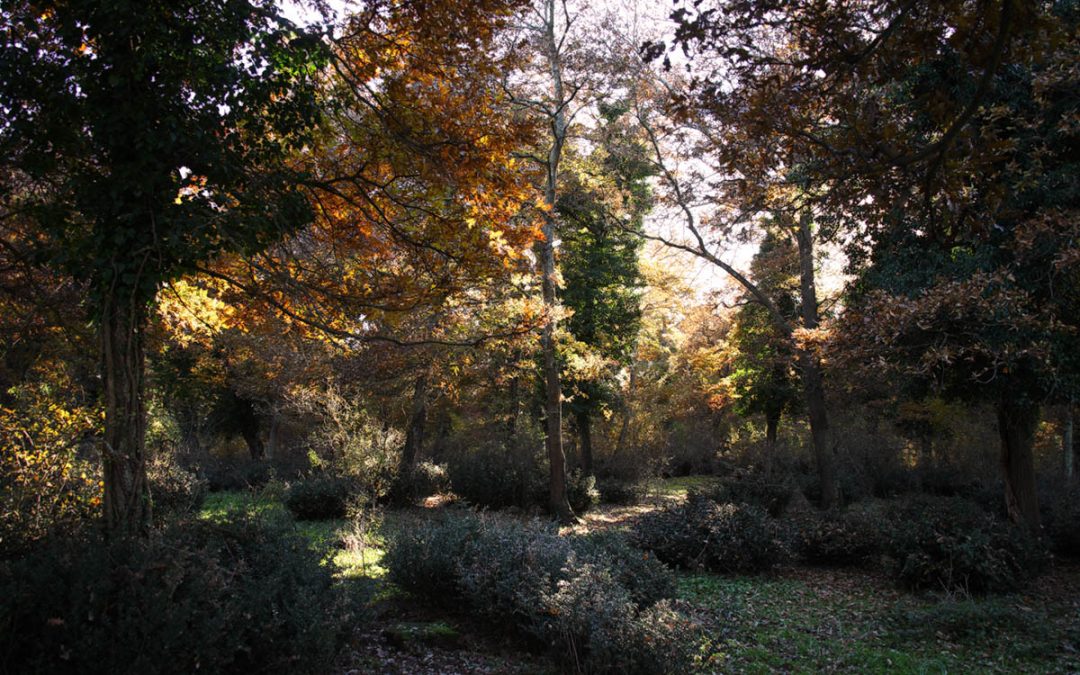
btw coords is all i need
(191, 309)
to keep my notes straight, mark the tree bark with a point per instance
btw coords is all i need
(560, 506)
(1017, 423)
(127, 494)
(584, 427)
(628, 413)
(813, 380)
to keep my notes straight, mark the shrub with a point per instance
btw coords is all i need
(646, 578)
(237, 474)
(346, 440)
(837, 538)
(593, 621)
(581, 491)
(499, 473)
(1061, 520)
(425, 479)
(174, 489)
(770, 495)
(241, 596)
(595, 601)
(616, 491)
(701, 534)
(951, 544)
(423, 558)
(319, 497)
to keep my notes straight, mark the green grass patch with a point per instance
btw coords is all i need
(680, 486)
(222, 505)
(778, 624)
(330, 537)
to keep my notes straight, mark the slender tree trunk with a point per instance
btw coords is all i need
(813, 380)
(560, 506)
(628, 413)
(584, 427)
(414, 436)
(772, 424)
(127, 493)
(1017, 423)
(1067, 450)
(559, 503)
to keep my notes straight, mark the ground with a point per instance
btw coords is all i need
(796, 619)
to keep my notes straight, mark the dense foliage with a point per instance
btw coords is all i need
(600, 605)
(231, 596)
(704, 534)
(782, 283)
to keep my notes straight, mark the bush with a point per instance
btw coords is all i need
(593, 621)
(346, 440)
(237, 474)
(174, 489)
(319, 497)
(423, 558)
(241, 596)
(951, 544)
(1061, 520)
(497, 474)
(616, 491)
(772, 496)
(595, 601)
(581, 491)
(425, 479)
(701, 534)
(647, 579)
(837, 538)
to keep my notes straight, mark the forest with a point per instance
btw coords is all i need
(539, 336)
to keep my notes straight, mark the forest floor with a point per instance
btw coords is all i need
(795, 619)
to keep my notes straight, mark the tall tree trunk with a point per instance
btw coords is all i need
(1017, 423)
(1067, 450)
(628, 413)
(560, 506)
(559, 503)
(127, 493)
(772, 424)
(813, 380)
(414, 436)
(584, 427)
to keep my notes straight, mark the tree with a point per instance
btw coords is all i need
(552, 87)
(889, 116)
(973, 294)
(149, 138)
(601, 213)
(764, 378)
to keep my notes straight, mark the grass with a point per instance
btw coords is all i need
(825, 622)
(353, 554)
(680, 486)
